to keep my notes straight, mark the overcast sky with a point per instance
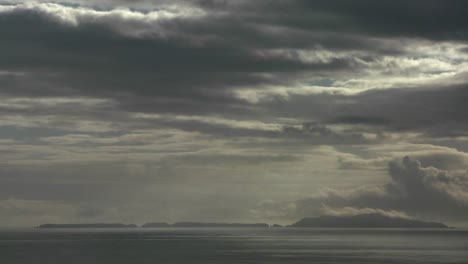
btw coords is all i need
(232, 111)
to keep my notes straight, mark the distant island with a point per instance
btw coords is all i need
(325, 221)
(198, 224)
(364, 221)
(96, 225)
(156, 225)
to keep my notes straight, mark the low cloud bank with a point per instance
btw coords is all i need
(413, 191)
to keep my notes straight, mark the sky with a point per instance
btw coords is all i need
(232, 111)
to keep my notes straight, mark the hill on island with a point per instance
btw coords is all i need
(198, 224)
(156, 225)
(364, 221)
(95, 225)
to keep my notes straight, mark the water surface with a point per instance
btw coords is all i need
(232, 245)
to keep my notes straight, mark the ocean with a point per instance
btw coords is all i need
(232, 245)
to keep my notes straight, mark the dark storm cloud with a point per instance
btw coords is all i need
(189, 65)
(359, 120)
(92, 56)
(465, 50)
(144, 74)
(433, 19)
(170, 70)
(433, 107)
(442, 158)
(316, 133)
(435, 111)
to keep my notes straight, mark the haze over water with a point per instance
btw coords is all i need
(232, 245)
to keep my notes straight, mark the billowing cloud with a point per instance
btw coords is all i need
(413, 191)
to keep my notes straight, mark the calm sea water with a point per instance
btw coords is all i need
(234, 245)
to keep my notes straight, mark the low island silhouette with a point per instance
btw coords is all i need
(364, 221)
(325, 221)
(92, 225)
(199, 224)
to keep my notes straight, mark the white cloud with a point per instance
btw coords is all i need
(74, 16)
(351, 211)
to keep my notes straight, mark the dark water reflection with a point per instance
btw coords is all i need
(234, 245)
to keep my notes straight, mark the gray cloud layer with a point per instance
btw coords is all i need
(179, 95)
